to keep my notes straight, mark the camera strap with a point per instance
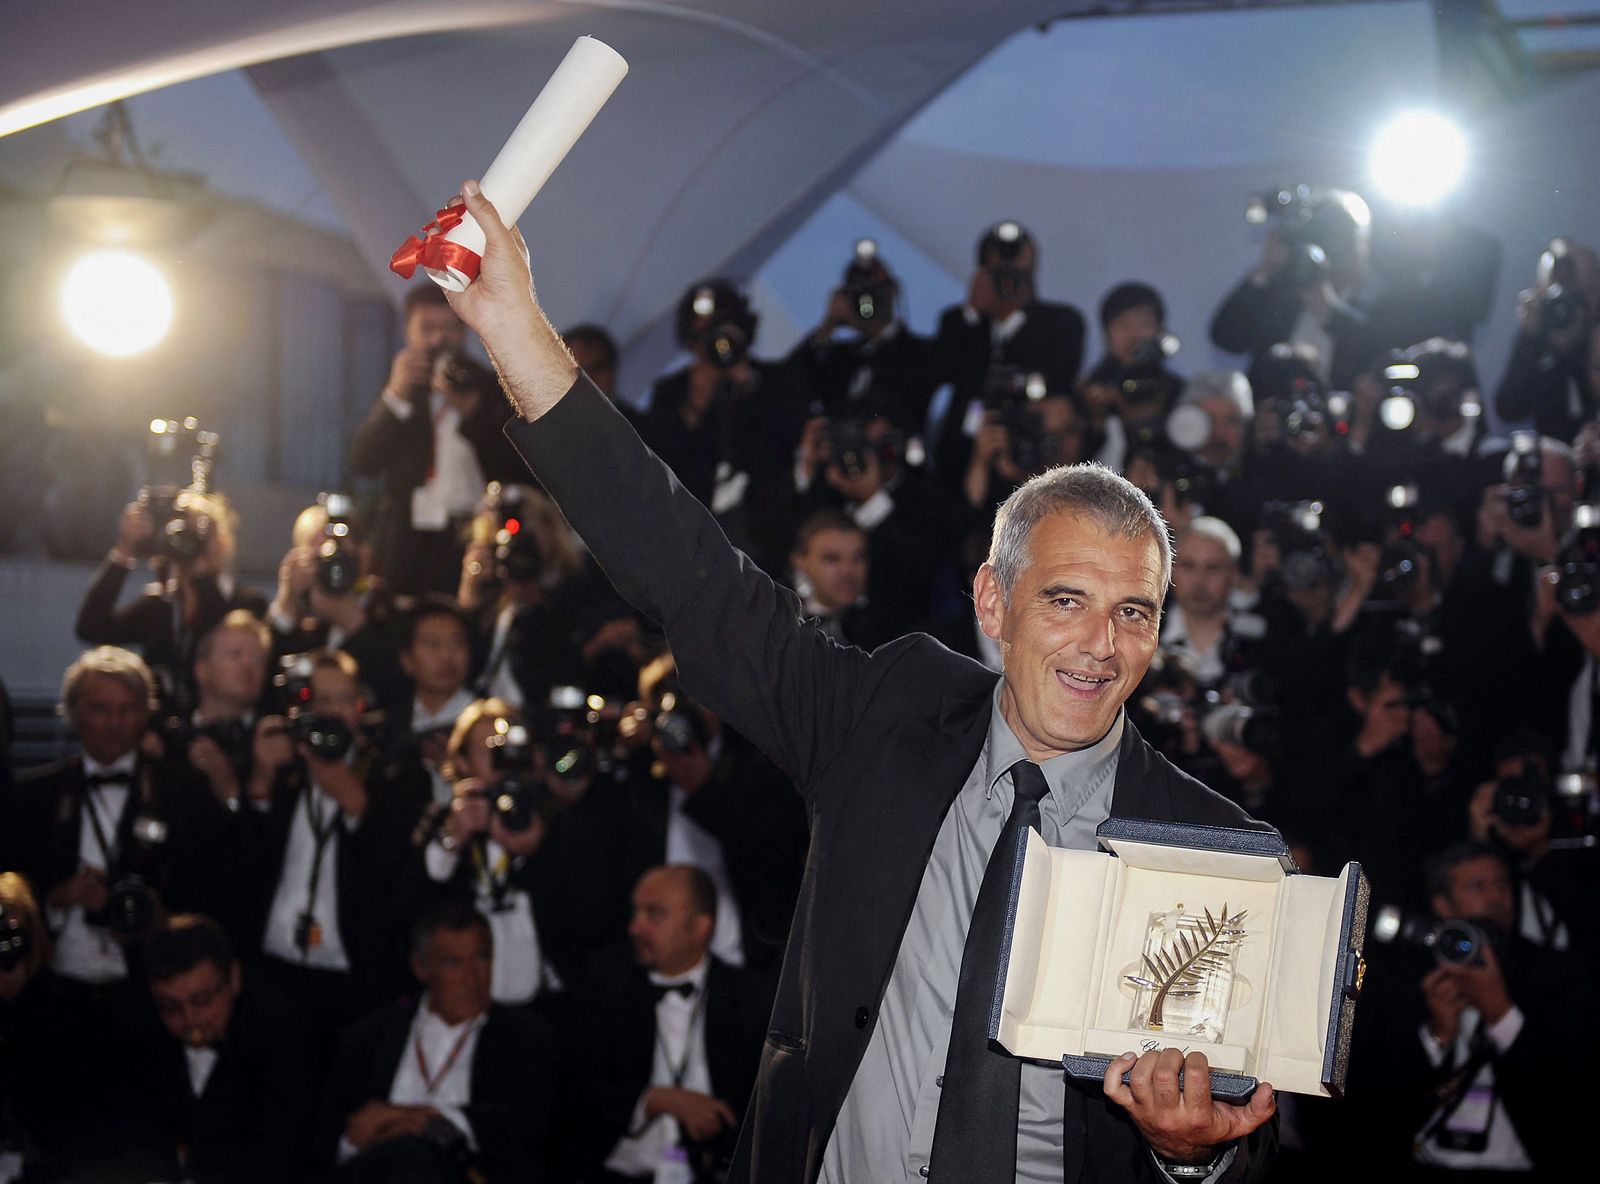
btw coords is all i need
(322, 830)
(121, 830)
(495, 881)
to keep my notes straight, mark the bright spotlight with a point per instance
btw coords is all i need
(117, 303)
(1417, 158)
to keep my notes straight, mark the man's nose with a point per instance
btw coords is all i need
(1100, 642)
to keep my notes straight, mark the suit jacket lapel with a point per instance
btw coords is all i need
(1140, 791)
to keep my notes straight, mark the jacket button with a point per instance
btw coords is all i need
(861, 1017)
(923, 1171)
(939, 1081)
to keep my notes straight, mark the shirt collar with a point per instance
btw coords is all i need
(1070, 776)
(696, 974)
(422, 719)
(430, 1022)
(126, 763)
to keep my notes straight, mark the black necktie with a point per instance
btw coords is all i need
(975, 1135)
(662, 990)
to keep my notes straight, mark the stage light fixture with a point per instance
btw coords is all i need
(1417, 158)
(117, 303)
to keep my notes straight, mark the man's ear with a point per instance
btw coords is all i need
(989, 602)
(1358, 701)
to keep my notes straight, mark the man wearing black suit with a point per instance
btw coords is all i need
(224, 1093)
(431, 439)
(454, 1084)
(328, 833)
(907, 759)
(673, 1035)
(83, 826)
(1002, 326)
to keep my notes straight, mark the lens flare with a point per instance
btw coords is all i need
(117, 303)
(1418, 158)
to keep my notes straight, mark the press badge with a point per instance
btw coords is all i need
(674, 1165)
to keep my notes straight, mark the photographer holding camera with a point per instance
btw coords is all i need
(1025, 429)
(192, 551)
(1130, 390)
(727, 424)
(1303, 288)
(1003, 324)
(1209, 427)
(1550, 377)
(326, 599)
(863, 352)
(533, 860)
(1467, 1064)
(432, 439)
(327, 831)
(112, 838)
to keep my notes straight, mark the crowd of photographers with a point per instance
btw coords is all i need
(427, 868)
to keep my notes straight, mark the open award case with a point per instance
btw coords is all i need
(1201, 938)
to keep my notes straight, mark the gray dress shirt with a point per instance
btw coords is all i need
(885, 1128)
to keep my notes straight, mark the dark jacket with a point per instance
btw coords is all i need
(252, 1123)
(513, 1079)
(878, 745)
(1255, 317)
(619, 1007)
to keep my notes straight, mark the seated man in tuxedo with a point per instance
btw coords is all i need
(454, 1088)
(676, 1036)
(224, 1092)
(327, 827)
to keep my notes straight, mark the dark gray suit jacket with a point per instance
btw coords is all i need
(879, 745)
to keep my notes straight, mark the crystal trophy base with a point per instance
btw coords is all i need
(1184, 982)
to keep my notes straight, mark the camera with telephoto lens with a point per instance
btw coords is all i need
(1400, 564)
(231, 735)
(851, 443)
(16, 938)
(327, 736)
(1522, 798)
(1144, 380)
(868, 286)
(1240, 724)
(1561, 304)
(180, 457)
(714, 319)
(1453, 942)
(1578, 563)
(1306, 560)
(1433, 381)
(1524, 470)
(1286, 382)
(1013, 395)
(458, 373)
(338, 566)
(1315, 222)
(677, 725)
(516, 548)
(520, 795)
(131, 907)
(998, 252)
(566, 733)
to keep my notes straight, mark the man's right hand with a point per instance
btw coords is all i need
(86, 888)
(270, 749)
(1442, 992)
(1274, 256)
(410, 372)
(701, 1116)
(469, 811)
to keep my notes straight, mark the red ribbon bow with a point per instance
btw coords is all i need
(432, 251)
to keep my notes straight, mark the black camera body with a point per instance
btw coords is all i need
(1451, 942)
(724, 344)
(1000, 253)
(179, 456)
(16, 939)
(338, 566)
(181, 530)
(327, 737)
(1306, 560)
(1524, 468)
(1144, 381)
(1012, 393)
(850, 444)
(1578, 563)
(868, 286)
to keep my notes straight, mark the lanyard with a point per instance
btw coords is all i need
(495, 881)
(696, 1018)
(321, 831)
(430, 1081)
(91, 804)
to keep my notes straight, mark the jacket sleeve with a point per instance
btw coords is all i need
(738, 637)
(100, 622)
(387, 446)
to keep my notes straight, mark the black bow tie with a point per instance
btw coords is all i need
(662, 990)
(98, 780)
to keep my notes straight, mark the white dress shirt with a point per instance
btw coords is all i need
(456, 481)
(680, 1043)
(84, 952)
(1504, 1151)
(435, 1070)
(689, 842)
(294, 881)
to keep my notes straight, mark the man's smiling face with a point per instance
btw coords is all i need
(1078, 632)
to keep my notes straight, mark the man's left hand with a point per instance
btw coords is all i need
(1182, 1122)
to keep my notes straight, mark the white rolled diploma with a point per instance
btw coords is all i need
(582, 83)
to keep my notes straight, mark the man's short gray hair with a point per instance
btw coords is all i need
(1116, 504)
